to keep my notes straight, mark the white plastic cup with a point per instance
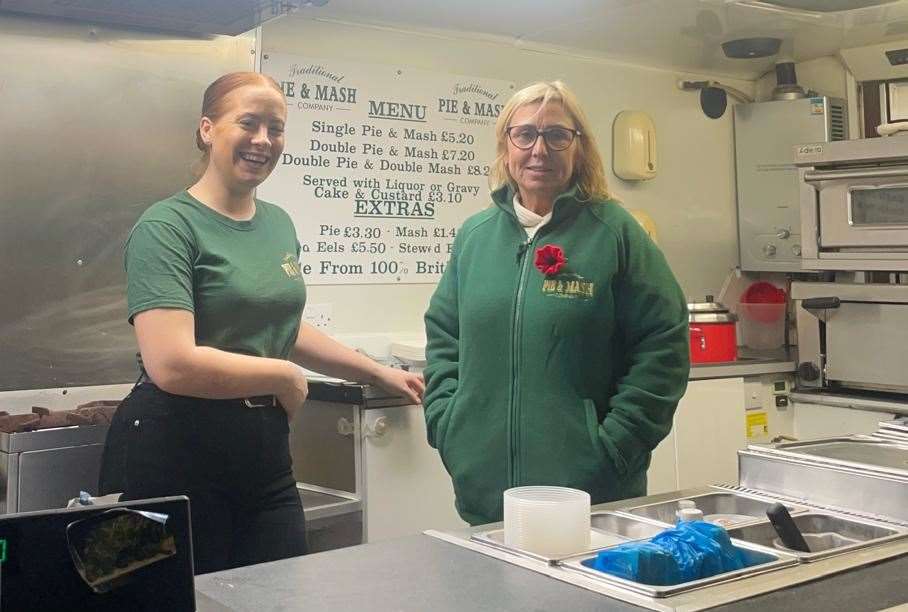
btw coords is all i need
(686, 515)
(548, 521)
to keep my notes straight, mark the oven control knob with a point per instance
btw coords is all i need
(808, 371)
(769, 250)
(796, 250)
(782, 234)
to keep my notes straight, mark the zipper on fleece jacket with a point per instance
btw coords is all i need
(514, 431)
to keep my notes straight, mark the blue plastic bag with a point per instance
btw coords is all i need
(686, 552)
(640, 562)
(701, 549)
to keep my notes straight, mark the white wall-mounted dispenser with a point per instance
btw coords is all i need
(634, 146)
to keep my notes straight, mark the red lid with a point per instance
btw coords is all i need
(762, 292)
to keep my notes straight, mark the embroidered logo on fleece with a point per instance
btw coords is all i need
(573, 287)
(559, 281)
(291, 267)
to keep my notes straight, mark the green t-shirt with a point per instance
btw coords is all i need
(241, 279)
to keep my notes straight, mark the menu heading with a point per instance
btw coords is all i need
(381, 166)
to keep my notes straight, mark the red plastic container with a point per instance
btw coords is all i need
(713, 337)
(713, 342)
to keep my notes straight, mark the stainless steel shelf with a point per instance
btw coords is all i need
(320, 502)
(750, 363)
(867, 401)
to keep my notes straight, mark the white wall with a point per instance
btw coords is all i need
(692, 200)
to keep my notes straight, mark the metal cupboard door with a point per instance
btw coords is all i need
(865, 345)
(407, 487)
(50, 478)
(324, 445)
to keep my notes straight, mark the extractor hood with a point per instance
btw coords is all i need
(883, 62)
(229, 17)
(823, 6)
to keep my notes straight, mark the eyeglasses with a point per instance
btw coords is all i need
(556, 138)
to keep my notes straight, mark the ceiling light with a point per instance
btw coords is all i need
(749, 48)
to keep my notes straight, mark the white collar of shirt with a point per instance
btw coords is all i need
(530, 221)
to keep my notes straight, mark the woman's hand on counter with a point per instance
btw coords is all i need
(321, 353)
(294, 393)
(401, 382)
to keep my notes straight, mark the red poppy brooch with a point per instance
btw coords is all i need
(550, 259)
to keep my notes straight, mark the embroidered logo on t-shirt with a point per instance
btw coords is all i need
(291, 266)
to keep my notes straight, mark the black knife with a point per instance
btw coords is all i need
(788, 532)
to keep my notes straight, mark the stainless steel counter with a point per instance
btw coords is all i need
(423, 573)
(340, 391)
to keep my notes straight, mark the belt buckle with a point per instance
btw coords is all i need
(269, 404)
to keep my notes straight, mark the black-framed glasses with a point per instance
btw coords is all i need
(556, 138)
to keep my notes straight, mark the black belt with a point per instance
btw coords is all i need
(260, 401)
(257, 401)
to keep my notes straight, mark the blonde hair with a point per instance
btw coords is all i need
(589, 175)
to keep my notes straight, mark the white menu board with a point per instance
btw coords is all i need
(381, 165)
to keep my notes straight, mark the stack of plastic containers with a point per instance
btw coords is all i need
(547, 520)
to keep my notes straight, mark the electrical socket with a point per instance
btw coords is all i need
(319, 316)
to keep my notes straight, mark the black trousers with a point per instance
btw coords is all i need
(232, 461)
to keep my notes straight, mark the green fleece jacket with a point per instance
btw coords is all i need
(570, 379)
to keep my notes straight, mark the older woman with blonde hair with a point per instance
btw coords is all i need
(557, 337)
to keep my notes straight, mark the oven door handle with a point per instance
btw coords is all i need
(820, 303)
(816, 176)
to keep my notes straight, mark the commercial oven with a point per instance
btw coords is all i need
(854, 204)
(853, 328)
(852, 335)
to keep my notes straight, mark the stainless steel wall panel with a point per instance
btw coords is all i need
(95, 124)
(769, 223)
